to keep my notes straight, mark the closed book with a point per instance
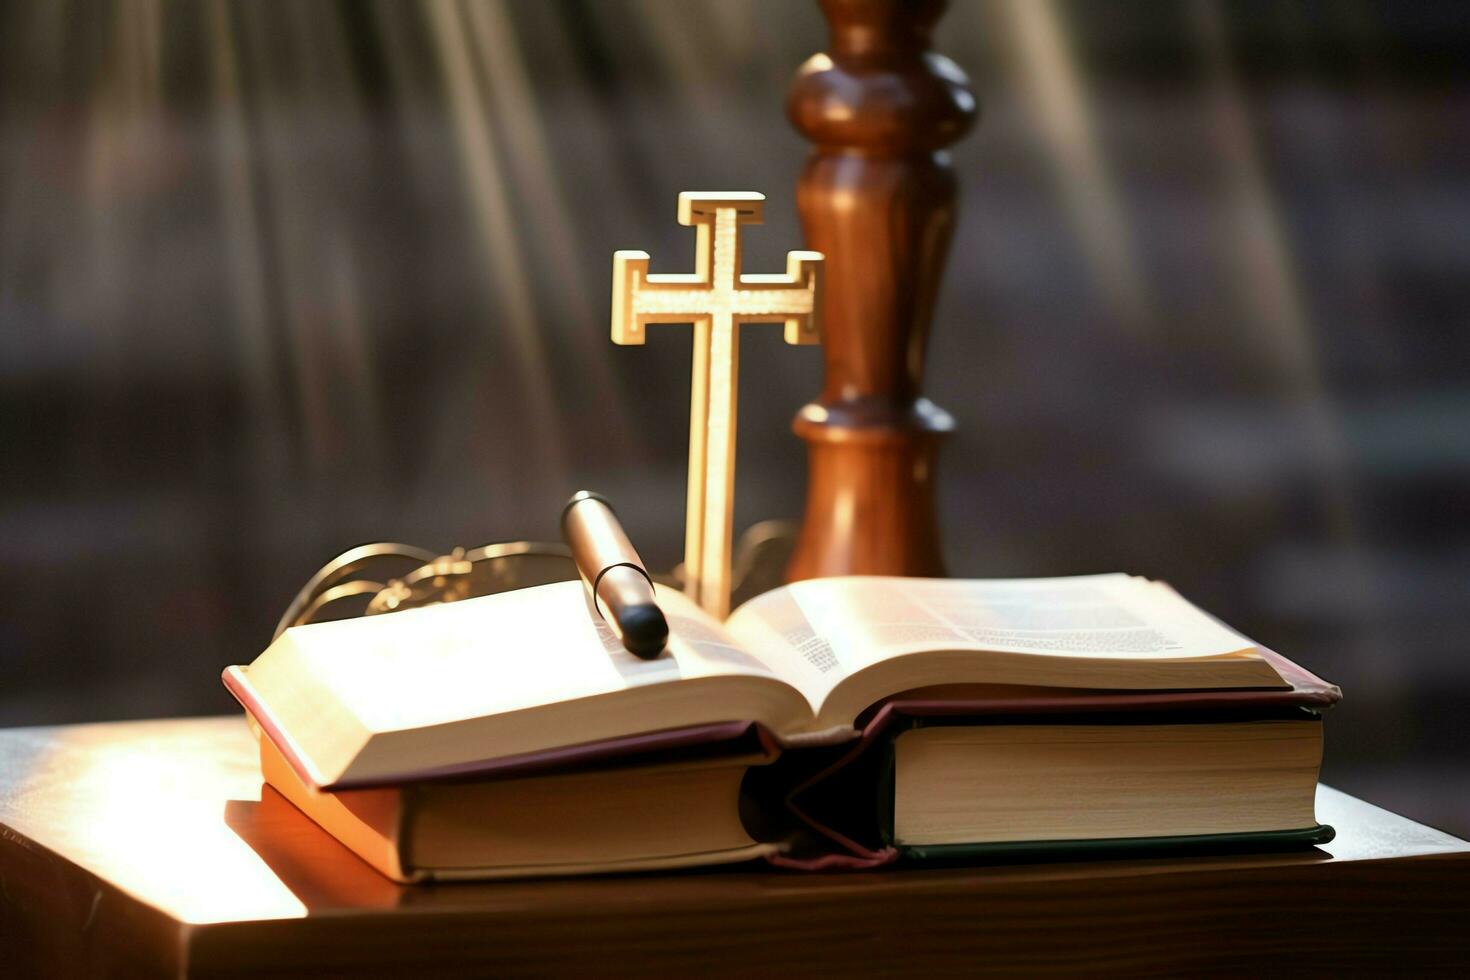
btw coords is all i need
(653, 810)
(1031, 773)
(1013, 787)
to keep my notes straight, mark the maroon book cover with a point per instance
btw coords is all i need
(822, 803)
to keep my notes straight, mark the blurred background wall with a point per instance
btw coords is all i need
(277, 278)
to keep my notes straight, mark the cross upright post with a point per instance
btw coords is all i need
(716, 298)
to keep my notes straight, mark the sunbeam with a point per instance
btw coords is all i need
(1050, 81)
(1279, 321)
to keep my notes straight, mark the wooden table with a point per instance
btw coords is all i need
(146, 847)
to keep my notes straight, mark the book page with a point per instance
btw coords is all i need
(823, 630)
(503, 653)
(777, 624)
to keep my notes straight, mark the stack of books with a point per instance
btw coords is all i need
(853, 721)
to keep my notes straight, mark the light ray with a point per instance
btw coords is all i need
(1279, 317)
(513, 103)
(245, 272)
(489, 195)
(1051, 84)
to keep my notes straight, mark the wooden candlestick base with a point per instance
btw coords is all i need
(870, 498)
(877, 197)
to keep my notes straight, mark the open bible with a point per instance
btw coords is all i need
(529, 684)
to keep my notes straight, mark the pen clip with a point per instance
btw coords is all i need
(597, 602)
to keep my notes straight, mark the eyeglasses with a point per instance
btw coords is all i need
(384, 577)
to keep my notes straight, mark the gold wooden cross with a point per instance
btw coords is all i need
(716, 298)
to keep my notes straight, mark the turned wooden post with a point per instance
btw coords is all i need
(877, 197)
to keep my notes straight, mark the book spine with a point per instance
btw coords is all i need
(886, 782)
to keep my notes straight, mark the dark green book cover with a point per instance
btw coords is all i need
(1121, 847)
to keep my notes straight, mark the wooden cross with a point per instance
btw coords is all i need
(717, 299)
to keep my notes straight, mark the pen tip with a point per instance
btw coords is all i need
(645, 631)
